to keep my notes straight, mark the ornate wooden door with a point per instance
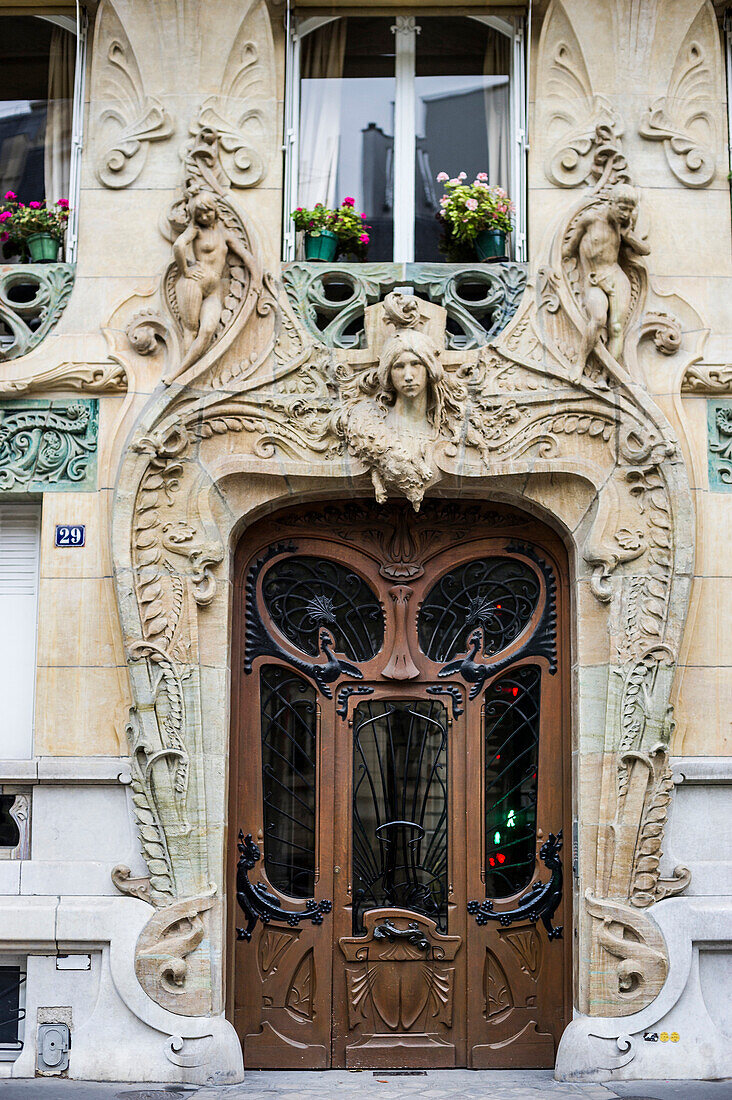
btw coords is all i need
(399, 777)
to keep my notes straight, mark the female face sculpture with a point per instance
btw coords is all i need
(408, 368)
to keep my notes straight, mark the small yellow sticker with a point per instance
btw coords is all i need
(663, 1036)
(674, 1036)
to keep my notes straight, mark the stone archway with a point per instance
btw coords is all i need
(544, 413)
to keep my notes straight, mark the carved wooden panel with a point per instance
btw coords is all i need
(400, 980)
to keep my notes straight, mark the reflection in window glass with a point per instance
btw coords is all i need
(289, 749)
(37, 62)
(347, 123)
(462, 124)
(511, 729)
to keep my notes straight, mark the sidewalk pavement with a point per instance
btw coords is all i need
(374, 1085)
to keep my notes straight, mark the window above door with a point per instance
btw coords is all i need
(378, 107)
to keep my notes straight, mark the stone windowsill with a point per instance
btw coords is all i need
(66, 769)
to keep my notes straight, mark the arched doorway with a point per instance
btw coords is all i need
(400, 773)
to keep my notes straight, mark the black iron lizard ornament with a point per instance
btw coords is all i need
(538, 903)
(259, 905)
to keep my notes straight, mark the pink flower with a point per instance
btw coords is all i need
(10, 195)
(462, 176)
(502, 208)
(482, 176)
(5, 215)
(501, 192)
(63, 203)
(454, 182)
(4, 236)
(444, 201)
(481, 185)
(442, 177)
(364, 238)
(348, 201)
(471, 204)
(34, 205)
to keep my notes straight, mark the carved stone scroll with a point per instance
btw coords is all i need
(165, 942)
(129, 120)
(684, 119)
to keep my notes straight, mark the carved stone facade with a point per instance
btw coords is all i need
(220, 385)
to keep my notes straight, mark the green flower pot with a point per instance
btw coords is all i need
(490, 244)
(43, 248)
(321, 246)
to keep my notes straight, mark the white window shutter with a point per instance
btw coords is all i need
(20, 527)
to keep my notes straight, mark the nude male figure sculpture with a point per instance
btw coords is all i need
(597, 241)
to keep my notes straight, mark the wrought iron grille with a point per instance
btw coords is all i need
(9, 831)
(511, 729)
(304, 594)
(400, 808)
(11, 981)
(499, 595)
(289, 749)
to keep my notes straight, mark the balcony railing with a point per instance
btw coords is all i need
(330, 299)
(32, 298)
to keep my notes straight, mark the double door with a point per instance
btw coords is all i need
(398, 776)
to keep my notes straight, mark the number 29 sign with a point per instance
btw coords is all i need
(69, 534)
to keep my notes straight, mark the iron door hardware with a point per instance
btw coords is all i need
(258, 904)
(538, 903)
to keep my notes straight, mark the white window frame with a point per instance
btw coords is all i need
(78, 26)
(406, 29)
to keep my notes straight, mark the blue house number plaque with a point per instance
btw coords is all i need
(70, 534)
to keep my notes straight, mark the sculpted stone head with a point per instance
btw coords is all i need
(623, 201)
(203, 208)
(409, 365)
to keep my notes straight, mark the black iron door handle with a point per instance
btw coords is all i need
(258, 904)
(538, 903)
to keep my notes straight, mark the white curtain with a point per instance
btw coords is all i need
(59, 120)
(497, 109)
(320, 114)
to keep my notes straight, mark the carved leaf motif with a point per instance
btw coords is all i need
(241, 114)
(272, 946)
(496, 987)
(572, 113)
(300, 997)
(684, 119)
(130, 119)
(28, 322)
(527, 946)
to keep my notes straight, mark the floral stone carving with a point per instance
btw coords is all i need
(32, 298)
(719, 425)
(554, 393)
(48, 445)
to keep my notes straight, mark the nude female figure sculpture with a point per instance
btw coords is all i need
(200, 254)
(597, 241)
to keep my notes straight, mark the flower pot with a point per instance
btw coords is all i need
(490, 244)
(43, 248)
(321, 246)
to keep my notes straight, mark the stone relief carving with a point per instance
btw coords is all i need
(572, 113)
(240, 114)
(214, 276)
(28, 320)
(719, 426)
(684, 119)
(129, 120)
(603, 244)
(553, 392)
(46, 445)
(160, 958)
(108, 376)
(707, 378)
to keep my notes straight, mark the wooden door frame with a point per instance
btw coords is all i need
(552, 545)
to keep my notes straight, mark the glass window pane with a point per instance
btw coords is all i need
(400, 808)
(347, 123)
(511, 725)
(462, 124)
(37, 63)
(289, 745)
